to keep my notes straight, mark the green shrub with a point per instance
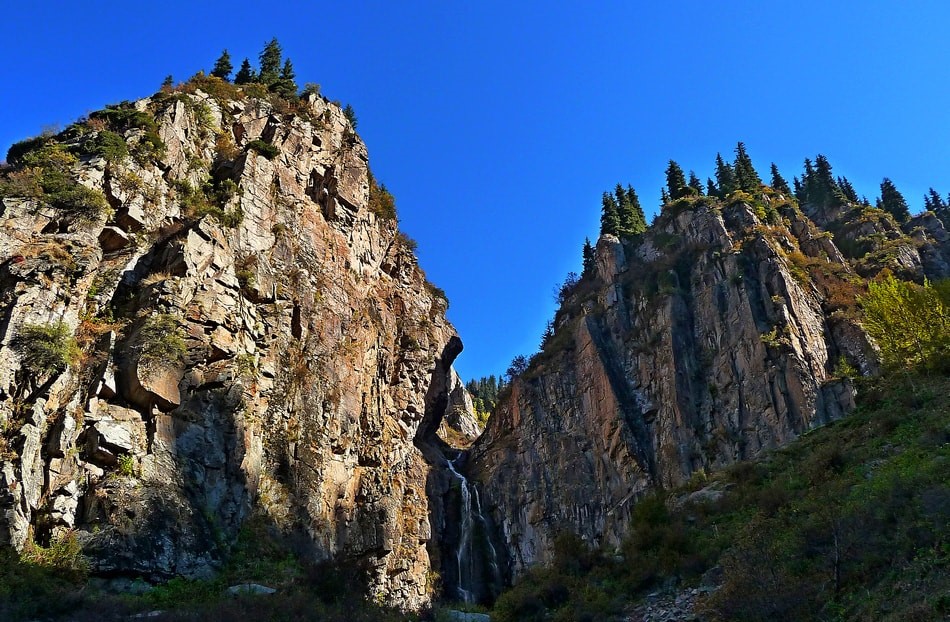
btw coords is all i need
(910, 323)
(46, 348)
(267, 150)
(17, 150)
(161, 339)
(80, 202)
(64, 554)
(106, 144)
(381, 201)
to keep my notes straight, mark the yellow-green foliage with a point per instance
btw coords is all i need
(161, 339)
(909, 322)
(64, 554)
(46, 348)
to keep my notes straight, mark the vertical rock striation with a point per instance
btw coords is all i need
(710, 338)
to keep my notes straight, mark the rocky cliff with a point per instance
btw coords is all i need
(236, 327)
(719, 333)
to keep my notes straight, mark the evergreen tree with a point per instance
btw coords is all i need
(799, 189)
(746, 177)
(711, 188)
(590, 258)
(892, 201)
(168, 83)
(675, 180)
(609, 216)
(694, 183)
(630, 214)
(933, 202)
(245, 74)
(847, 189)
(825, 186)
(778, 182)
(270, 63)
(725, 177)
(222, 67)
(285, 86)
(350, 115)
(664, 196)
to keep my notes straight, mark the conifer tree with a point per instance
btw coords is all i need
(222, 67)
(589, 258)
(725, 177)
(746, 177)
(630, 214)
(892, 201)
(168, 83)
(847, 189)
(711, 188)
(350, 115)
(664, 196)
(285, 86)
(933, 201)
(825, 186)
(270, 63)
(675, 180)
(695, 184)
(245, 74)
(609, 217)
(778, 182)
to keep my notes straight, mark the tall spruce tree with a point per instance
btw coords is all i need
(778, 182)
(222, 67)
(609, 217)
(245, 74)
(825, 187)
(892, 201)
(694, 183)
(847, 189)
(285, 86)
(590, 258)
(746, 177)
(711, 188)
(725, 177)
(632, 219)
(270, 63)
(933, 202)
(675, 181)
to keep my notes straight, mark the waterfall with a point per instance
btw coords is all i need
(467, 557)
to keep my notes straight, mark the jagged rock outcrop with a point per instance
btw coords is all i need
(708, 339)
(254, 334)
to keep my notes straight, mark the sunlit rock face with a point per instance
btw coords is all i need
(308, 340)
(707, 340)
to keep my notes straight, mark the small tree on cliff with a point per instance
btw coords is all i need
(590, 258)
(892, 201)
(245, 74)
(222, 67)
(675, 180)
(270, 63)
(609, 216)
(778, 182)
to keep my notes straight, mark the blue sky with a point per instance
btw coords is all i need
(498, 125)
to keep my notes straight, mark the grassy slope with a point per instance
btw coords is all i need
(851, 522)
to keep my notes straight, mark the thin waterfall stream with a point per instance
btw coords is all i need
(469, 558)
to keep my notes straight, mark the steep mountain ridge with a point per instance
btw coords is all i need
(256, 337)
(712, 337)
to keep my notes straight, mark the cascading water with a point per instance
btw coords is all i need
(469, 559)
(464, 553)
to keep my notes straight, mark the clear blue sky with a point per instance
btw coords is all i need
(498, 125)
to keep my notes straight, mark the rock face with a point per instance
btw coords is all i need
(708, 339)
(254, 335)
